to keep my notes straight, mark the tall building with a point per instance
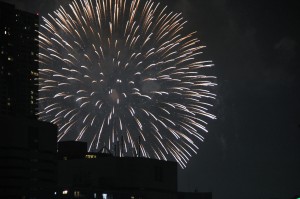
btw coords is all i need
(18, 65)
(28, 168)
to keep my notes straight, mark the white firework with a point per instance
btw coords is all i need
(119, 73)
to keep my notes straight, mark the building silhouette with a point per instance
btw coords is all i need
(95, 175)
(28, 166)
(102, 175)
(28, 147)
(18, 65)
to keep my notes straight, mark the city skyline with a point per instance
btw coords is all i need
(252, 150)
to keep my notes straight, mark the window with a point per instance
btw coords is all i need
(76, 194)
(90, 156)
(104, 196)
(34, 73)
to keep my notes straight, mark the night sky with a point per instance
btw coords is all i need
(252, 149)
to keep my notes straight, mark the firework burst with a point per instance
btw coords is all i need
(114, 72)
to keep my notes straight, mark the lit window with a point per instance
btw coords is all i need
(90, 156)
(8, 103)
(104, 196)
(76, 194)
(5, 32)
(55, 193)
(10, 58)
(34, 73)
(65, 192)
(95, 195)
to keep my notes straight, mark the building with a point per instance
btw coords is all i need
(28, 168)
(18, 65)
(102, 175)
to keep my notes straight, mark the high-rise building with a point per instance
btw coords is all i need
(18, 65)
(28, 147)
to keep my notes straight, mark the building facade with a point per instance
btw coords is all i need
(18, 64)
(28, 168)
(28, 157)
(102, 175)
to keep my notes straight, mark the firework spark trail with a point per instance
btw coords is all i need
(113, 71)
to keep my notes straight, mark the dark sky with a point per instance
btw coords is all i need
(252, 149)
